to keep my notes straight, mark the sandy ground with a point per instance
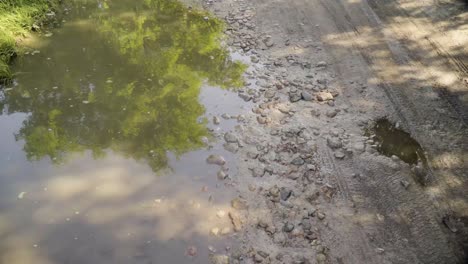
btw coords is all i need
(316, 189)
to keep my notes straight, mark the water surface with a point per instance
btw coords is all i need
(102, 146)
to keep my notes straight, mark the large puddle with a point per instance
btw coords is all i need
(103, 138)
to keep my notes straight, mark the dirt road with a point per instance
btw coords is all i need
(322, 72)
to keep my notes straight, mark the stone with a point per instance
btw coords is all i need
(405, 184)
(230, 138)
(321, 215)
(214, 231)
(306, 96)
(221, 175)
(258, 172)
(236, 221)
(340, 154)
(274, 191)
(294, 97)
(359, 147)
(245, 97)
(324, 96)
(231, 147)
(334, 143)
(288, 227)
(216, 120)
(321, 64)
(216, 160)
(331, 113)
(321, 258)
(298, 161)
(239, 204)
(219, 259)
(285, 194)
(225, 231)
(270, 94)
(257, 258)
(263, 254)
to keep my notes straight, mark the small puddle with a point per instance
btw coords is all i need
(104, 133)
(391, 141)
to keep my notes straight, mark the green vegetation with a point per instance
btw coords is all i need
(17, 18)
(125, 77)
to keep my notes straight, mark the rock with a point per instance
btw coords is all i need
(321, 215)
(294, 97)
(340, 154)
(285, 194)
(231, 147)
(324, 96)
(219, 259)
(298, 161)
(288, 227)
(274, 191)
(321, 258)
(230, 138)
(221, 175)
(245, 97)
(225, 231)
(216, 160)
(236, 221)
(263, 254)
(270, 94)
(359, 147)
(239, 204)
(322, 64)
(214, 231)
(331, 113)
(220, 213)
(258, 172)
(257, 258)
(216, 120)
(334, 143)
(225, 116)
(306, 96)
(405, 184)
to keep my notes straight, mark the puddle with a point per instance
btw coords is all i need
(102, 149)
(391, 141)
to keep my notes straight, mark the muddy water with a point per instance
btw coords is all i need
(104, 136)
(393, 141)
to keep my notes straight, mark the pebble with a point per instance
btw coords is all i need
(288, 227)
(236, 221)
(294, 97)
(298, 161)
(216, 120)
(216, 160)
(306, 96)
(258, 172)
(221, 175)
(334, 143)
(230, 138)
(239, 204)
(285, 194)
(324, 96)
(340, 154)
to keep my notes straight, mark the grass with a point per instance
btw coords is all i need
(17, 19)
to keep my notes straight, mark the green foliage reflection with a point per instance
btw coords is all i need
(126, 79)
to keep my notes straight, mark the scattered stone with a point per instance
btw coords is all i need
(216, 120)
(321, 258)
(214, 231)
(257, 258)
(274, 191)
(334, 143)
(225, 116)
(216, 160)
(225, 231)
(331, 113)
(321, 215)
(231, 147)
(298, 161)
(324, 96)
(239, 204)
(258, 172)
(270, 94)
(288, 227)
(221, 175)
(285, 193)
(322, 64)
(294, 97)
(236, 221)
(340, 154)
(306, 96)
(405, 184)
(230, 138)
